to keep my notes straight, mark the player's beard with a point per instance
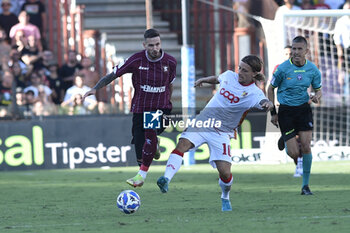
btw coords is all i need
(154, 54)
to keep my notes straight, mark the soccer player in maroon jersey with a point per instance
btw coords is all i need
(153, 72)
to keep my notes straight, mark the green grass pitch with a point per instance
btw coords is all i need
(265, 198)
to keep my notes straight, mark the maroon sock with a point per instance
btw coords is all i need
(150, 147)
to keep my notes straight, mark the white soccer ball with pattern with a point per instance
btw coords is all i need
(128, 201)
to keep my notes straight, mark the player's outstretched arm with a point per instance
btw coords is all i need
(104, 81)
(210, 79)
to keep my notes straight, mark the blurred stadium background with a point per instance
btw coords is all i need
(221, 32)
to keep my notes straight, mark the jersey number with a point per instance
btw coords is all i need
(226, 149)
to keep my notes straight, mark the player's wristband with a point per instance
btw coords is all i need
(273, 111)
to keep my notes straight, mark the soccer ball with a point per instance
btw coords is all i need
(128, 201)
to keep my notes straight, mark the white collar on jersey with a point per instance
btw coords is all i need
(151, 60)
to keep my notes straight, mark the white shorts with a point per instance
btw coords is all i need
(219, 144)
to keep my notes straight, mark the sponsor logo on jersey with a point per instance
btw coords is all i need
(299, 77)
(147, 88)
(165, 68)
(228, 95)
(143, 68)
(244, 93)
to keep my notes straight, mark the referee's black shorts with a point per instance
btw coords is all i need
(293, 119)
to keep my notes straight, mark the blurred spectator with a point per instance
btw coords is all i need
(28, 29)
(36, 84)
(91, 77)
(5, 48)
(29, 101)
(21, 103)
(7, 18)
(6, 88)
(341, 6)
(68, 70)
(19, 41)
(18, 75)
(79, 88)
(46, 58)
(342, 41)
(288, 5)
(103, 108)
(36, 11)
(334, 4)
(55, 83)
(41, 108)
(75, 106)
(20, 97)
(307, 5)
(42, 74)
(44, 105)
(321, 5)
(15, 57)
(30, 53)
(15, 6)
(242, 21)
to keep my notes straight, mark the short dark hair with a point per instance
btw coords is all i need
(300, 39)
(288, 47)
(151, 33)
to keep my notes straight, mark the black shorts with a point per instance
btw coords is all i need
(137, 125)
(293, 119)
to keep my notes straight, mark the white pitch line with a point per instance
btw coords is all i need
(308, 217)
(43, 225)
(256, 219)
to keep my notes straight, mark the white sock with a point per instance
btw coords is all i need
(172, 166)
(225, 188)
(143, 174)
(300, 163)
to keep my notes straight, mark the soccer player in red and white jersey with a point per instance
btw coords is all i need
(153, 72)
(236, 95)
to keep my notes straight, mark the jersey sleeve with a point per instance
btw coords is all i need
(125, 66)
(173, 64)
(223, 76)
(259, 97)
(277, 77)
(316, 81)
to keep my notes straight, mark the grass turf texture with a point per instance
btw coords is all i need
(265, 198)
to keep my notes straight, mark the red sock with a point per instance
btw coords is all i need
(228, 180)
(149, 148)
(178, 153)
(144, 168)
